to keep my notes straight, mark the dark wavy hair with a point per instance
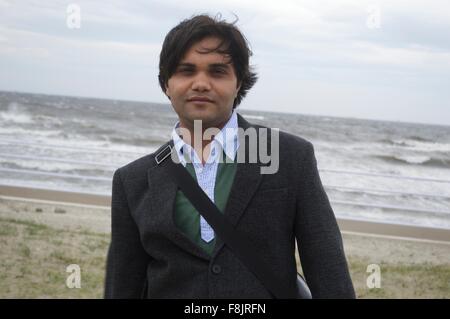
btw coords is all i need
(190, 31)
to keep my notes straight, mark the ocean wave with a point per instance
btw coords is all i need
(419, 139)
(16, 114)
(39, 165)
(44, 120)
(84, 123)
(254, 117)
(418, 144)
(415, 160)
(54, 140)
(141, 142)
(19, 132)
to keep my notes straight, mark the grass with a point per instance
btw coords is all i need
(402, 280)
(34, 259)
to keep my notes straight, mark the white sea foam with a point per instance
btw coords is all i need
(418, 159)
(254, 117)
(16, 114)
(423, 146)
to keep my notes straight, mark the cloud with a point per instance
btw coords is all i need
(16, 40)
(323, 45)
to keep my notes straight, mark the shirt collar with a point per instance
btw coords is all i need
(227, 139)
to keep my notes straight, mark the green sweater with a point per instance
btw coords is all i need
(187, 218)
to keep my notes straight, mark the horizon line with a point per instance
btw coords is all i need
(246, 109)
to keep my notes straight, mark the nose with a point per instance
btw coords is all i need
(201, 83)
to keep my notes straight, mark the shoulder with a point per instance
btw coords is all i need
(295, 142)
(139, 167)
(289, 144)
(294, 151)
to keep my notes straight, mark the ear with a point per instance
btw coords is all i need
(167, 92)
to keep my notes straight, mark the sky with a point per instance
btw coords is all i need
(386, 60)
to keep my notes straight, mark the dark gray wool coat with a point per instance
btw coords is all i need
(149, 257)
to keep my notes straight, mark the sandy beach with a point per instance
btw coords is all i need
(40, 238)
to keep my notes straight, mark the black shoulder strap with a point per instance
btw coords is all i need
(234, 239)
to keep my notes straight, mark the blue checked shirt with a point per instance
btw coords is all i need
(225, 141)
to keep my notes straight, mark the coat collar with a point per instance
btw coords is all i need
(226, 139)
(162, 193)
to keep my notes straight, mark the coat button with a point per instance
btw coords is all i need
(216, 269)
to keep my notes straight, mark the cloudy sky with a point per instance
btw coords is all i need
(355, 58)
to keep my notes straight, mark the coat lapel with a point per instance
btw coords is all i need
(245, 185)
(161, 198)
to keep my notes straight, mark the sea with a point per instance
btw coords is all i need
(394, 172)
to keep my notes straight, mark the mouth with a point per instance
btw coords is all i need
(200, 99)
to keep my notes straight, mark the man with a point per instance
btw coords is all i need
(161, 247)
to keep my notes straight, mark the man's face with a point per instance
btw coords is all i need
(203, 76)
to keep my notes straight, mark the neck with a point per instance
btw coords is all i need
(202, 149)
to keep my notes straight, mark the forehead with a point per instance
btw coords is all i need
(199, 53)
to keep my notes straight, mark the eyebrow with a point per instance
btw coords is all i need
(212, 65)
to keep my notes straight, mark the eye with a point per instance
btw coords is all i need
(219, 71)
(185, 71)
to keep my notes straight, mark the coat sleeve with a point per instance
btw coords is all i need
(127, 260)
(318, 236)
